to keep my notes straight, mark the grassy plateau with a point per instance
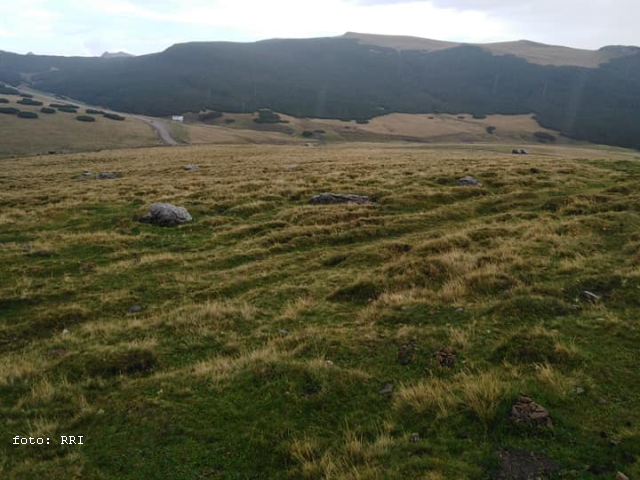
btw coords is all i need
(274, 339)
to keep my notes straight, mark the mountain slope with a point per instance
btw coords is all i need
(533, 52)
(343, 78)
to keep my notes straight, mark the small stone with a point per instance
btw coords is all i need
(135, 309)
(65, 332)
(192, 167)
(283, 331)
(525, 410)
(592, 297)
(387, 390)
(602, 401)
(469, 182)
(407, 352)
(579, 390)
(523, 152)
(339, 198)
(446, 357)
(459, 310)
(291, 168)
(330, 363)
(621, 476)
(414, 438)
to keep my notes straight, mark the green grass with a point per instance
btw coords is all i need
(269, 326)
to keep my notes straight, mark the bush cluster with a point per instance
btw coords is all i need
(85, 118)
(267, 116)
(48, 110)
(9, 110)
(205, 116)
(113, 116)
(4, 90)
(27, 115)
(28, 101)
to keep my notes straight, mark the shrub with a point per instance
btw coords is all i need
(307, 134)
(268, 116)
(461, 117)
(67, 109)
(91, 111)
(27, 115)
(544, 137)
(26, 95)
(28, 101)
(113, 116)
(63, 105)
(229, 120)
(362, 121)
(85, 118)
(491, 130)
(479, 116)
(9, 110)
(359, 292)
(209, 116)
(4, 100)
(8, 90)
(48, 110)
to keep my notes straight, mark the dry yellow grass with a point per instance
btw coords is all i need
(61, 132)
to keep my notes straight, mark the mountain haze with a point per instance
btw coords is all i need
(588, 95)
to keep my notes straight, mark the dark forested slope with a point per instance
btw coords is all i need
(342, 78)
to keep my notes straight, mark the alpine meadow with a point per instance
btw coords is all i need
(362, 257)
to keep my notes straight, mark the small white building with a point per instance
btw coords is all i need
(178, 118)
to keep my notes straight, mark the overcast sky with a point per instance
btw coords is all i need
(90, 27)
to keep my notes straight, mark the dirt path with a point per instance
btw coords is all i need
(161, 129)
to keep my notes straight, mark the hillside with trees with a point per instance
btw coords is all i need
(344, 79)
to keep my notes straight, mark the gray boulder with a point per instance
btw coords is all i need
(166, 215)
(192, 167)
(469, 182)
(523, 152)
(338, 198)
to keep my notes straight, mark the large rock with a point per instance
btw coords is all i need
(337, 198)
(469, 182)
(166, 215)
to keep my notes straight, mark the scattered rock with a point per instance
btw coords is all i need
(192, 167)
(292, 167)
(330, 363)
(106, 176)
(65, 332)
(579, 390)
(523, 152)
(621, 476)
(339, 198)
(407, 352)
(592, 297)
(283, 331)
(26, 248)
(602, 401)
(525, 465)
(446, 357)
(85, 175)
(525, 410)
(135, 309)
(469, 182)
(515, 151)
(414, 438)
(387, 390)
(166, 215)
(459, 310)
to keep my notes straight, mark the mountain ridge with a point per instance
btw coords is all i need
(342, 78)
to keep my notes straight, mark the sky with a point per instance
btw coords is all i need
(91, 27)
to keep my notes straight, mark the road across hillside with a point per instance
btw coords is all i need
(158, 126)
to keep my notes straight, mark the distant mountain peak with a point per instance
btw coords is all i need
(116, 55)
